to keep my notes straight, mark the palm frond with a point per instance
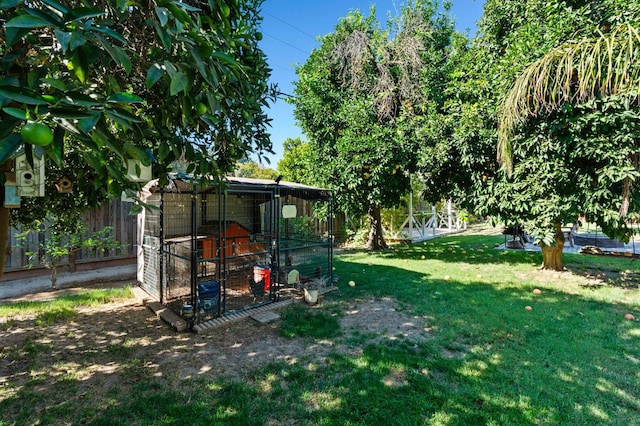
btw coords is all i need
(573, 72)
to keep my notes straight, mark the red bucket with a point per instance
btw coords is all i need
(262, 273)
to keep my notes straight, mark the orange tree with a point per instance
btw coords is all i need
(571, 156)
(570, 137)
(91, 84)
(568, 124)
(360, 99)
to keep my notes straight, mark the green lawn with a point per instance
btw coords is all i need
(571, 359)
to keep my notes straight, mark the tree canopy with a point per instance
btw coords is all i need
(573, 114)
(361, 98)
(535, 120)
(572, 143)
(113, 80)
(295, 165)
(578, 150)
(251, 169)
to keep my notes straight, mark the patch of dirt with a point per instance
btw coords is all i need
(381, 320)
(99, 343)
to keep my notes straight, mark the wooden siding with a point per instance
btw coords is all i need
(114, 214)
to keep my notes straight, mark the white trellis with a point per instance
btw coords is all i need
(429, 221)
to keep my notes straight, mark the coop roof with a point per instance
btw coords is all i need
(284, 186)
(184, 183)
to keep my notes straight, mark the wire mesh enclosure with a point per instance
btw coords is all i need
(232, 245)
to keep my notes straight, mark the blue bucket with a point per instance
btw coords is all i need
(208, 294)
(209, 290)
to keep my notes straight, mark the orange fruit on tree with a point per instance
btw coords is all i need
(36, 133)
(201, 108)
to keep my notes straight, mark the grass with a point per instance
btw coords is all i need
(61, 308)
(65, 301)
(572, 359)
(298, 321)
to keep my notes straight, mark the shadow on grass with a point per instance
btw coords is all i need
(476, 249)
(619, 272)
(489, 360)
(485, 359)
(472, 249)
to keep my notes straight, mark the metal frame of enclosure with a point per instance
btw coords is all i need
(209, 251)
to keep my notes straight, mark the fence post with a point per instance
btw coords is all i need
(410, 208)
(434, 216)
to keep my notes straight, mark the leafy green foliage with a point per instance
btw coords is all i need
(109, 74)
(577, 159)
(461, 164)
(458, 157)
(114, 80)
(575, 164)
(567, 165)
(251, 169)
(64, 237)
(360, 99)
(301, 227)
(572, 73)
(296, 163)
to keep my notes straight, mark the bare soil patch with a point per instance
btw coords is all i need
(99, 345)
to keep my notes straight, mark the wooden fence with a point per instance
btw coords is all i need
(114, 214)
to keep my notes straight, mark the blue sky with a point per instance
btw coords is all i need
(290, 29)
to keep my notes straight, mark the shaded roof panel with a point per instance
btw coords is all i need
(183, 183)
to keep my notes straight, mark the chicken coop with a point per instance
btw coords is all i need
(209, 251)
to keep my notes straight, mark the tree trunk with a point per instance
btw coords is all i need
(54, 275)
(72, 259)
(4, 222)
(4, 234)
(376, 239)
(552, 255)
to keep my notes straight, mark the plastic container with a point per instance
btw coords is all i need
(262, 273)
(208, 295)
(187, 312)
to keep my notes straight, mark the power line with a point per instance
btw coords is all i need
(292, 26)
(285, 68)
(287, 43)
